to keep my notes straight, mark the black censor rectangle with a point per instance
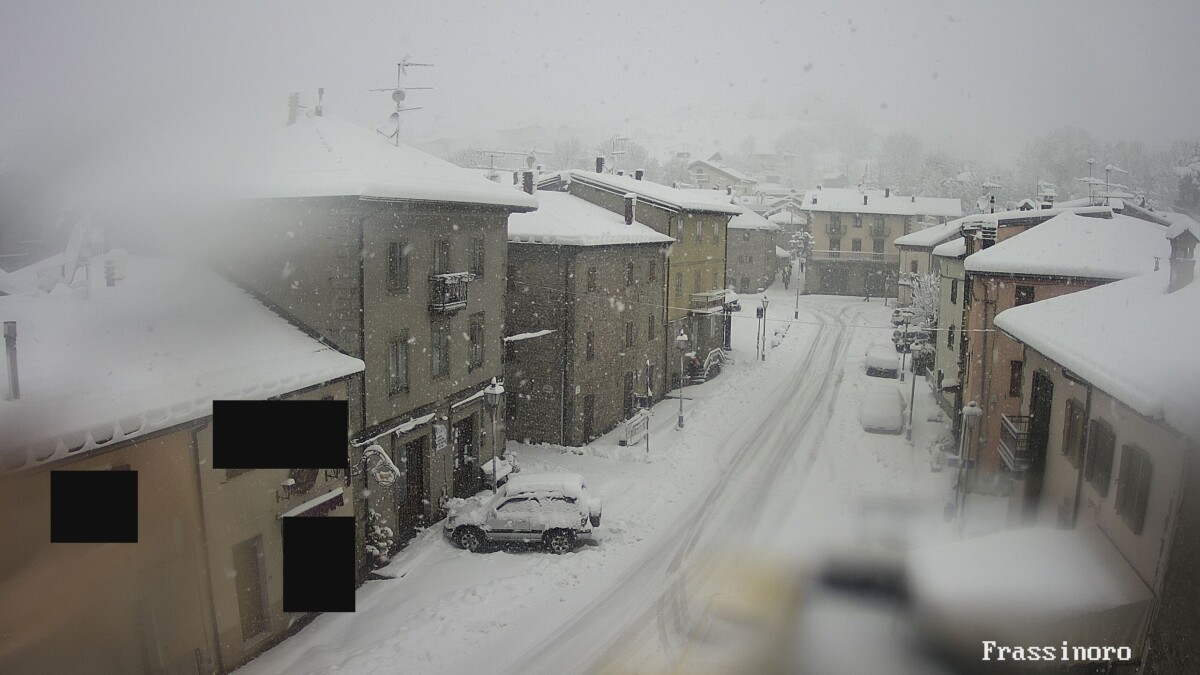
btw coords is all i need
(318, 564)
(93, 507)
(280, 434)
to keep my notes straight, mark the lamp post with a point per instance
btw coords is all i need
(797, 314)
(904, 349)
(765, 302)
(970, 414)
(681, 342)
(492, 395)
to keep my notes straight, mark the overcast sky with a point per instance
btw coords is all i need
(984, 75)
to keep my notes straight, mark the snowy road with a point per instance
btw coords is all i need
(772, 461)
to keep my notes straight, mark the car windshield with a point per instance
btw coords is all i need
(548, 337)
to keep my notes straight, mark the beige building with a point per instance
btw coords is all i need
(585, 304)
(712, 175)
(695, 270)
(397, 258)
(854, 233)
(1106, 434)
(123, 378)
(1065, 254)
(915, 251)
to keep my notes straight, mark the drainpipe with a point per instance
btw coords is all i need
(10, 346)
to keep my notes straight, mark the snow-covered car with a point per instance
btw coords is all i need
(882, 410)
(900, 316)
(882, 361)
(554, 509)
(904, 340)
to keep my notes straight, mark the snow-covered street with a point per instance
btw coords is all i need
(772, 463)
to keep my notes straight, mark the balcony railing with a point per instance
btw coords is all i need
(835, 229)
(1016, 441)
(879, 231)
(854, 255)
(448, 292)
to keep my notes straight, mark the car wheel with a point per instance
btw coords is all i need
(559, 541)
(469, 538)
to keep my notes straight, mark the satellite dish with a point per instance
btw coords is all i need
(391, 126)
(398, 95)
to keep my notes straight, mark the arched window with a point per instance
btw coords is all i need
(912, 266)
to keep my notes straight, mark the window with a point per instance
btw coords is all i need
(1133, 486)
(856, 244)
(954, 291)
(629, 273)
(591, 346)
(397, 278)
(835, 220)
(653, 270)
(678, 284)
(835, 244)
(477, 247)
(746, 235)
(1097, 468)
(699, 232)
(1024, 295)
(398, 365)
(950, 337)
(877, 245)
(716, 233)
(912, 266)
(716, 280)
(591, 279)
(858, 220)
(696, 281)
(441, 255)
(880, 222)
(1073, 431)
(651, 378)
(1016, 371)
(714, 325)
(475, 344)
(440, 353)
(741, 259)
(650, 327)
(628, 333)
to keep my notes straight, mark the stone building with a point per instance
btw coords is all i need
(854, 232)
(709, 174)
(124, 379)
(915, 252)
(585, 305)
(751, 260)
(695, 270)
(398, 258)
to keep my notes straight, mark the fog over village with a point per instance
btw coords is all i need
(646, 337)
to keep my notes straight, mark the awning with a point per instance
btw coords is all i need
(318, 506)
(1030, 587)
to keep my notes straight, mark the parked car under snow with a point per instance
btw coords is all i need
(554, 509)
(882, 410)
(882, 361)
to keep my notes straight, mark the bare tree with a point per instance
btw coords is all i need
(927, 296)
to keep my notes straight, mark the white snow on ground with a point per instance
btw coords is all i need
(773, 459)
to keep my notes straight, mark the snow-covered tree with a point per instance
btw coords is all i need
(379, 538)
(927, 296)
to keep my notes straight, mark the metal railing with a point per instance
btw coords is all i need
(1016, 441)
(448, 292)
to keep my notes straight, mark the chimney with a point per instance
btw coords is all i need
(887, 192)
(728, 189)
(620, 172)
(992, 203)
(10, 346)
(969, 235)
(293, 107)
(637, 175)
(599, 165)
(1183, 261)
(864, 200)
(630, 204)
(987, 235)
(528, 182)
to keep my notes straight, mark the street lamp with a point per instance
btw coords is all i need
(681, 342)
(765, 302)
(492, 395)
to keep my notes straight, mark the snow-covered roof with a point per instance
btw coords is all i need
(1179, 223)
(1130, 338)
(931, 236)
(566, 220)
(782, 253)
(728, 170)
(327, 156)
(747, 219)
(1078, 246)
(669, 197)
(788, 218)
(150, 353)
(955, 248)
(850, 200)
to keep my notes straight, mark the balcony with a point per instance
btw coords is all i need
(709, 302)
(448, 292)
(858, 256)
(1016, 441)
(835, 229)
(879, 231)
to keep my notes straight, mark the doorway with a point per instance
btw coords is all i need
(1040, 402)
(411, 508)
(466, 457)
(627, 410)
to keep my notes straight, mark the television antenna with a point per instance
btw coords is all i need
(390, 127)
(530, 155)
